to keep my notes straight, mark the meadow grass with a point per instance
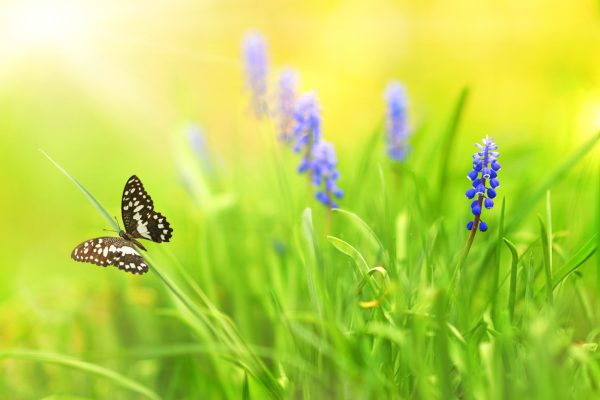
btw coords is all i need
(274, 295)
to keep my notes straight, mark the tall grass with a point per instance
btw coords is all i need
(267, 299)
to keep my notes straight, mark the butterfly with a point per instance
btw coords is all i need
(140, 222)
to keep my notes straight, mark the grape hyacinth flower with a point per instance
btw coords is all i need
(197, 142)
(396, 121)
(307, 130)
(256, 63)
(286, 102)
(484, 178)
(323, 168)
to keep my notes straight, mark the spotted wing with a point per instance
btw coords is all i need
(139, 217)
(105, 251)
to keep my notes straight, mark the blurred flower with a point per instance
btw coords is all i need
(307, 130)
(323, 168)
(396, 123)
(484, 178)
(256, 62)
(286, 102)
(197, 143)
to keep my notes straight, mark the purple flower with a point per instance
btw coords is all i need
(256, 63)
(286, 103)
(397, 130)
(197, 142)
(307, 129)
(484, 178)
(323, 168)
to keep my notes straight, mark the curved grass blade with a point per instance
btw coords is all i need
(87, 194)
(585, 252)
(365, 229)
(52, 358)
(351, 251)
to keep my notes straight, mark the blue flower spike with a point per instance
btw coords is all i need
(318, 161)
(397, 131)
(325, 174)
(484, 181)
(256, 65)
(307, 129)
(286, 103)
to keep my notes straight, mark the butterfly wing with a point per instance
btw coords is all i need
(139, 217)
(105, 251)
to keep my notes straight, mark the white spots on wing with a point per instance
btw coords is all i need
(100, 241)
(160, 225)
(162, 237)
(85, 250)
(130, 204)
(105, 252)
(127, 250)
(112, 248)
(142, 229)
(138, 208)
(137, 216)
(132, 190)
(161, 220)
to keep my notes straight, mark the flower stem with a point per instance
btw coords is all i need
(465, 253)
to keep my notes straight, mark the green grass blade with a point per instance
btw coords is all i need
(598, 230)
(583, 254)
(313, 262)
(525, 207)
(450, 136)
(366, 157)
(349, 250)
(496, 271)
(442, 352)
(245, 388)
(93, 369)
(547, 252)
(87, 194)
(581, 295)
(549, 234)
(258, 368)
(512, 291)
(366, 231)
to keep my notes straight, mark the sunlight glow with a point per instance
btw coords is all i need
(45, 25)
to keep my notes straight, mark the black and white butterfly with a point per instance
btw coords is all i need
(140, 221)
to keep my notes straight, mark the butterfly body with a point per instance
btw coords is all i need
(140, 222)
(130, 238)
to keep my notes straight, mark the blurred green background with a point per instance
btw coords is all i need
(107, 87)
